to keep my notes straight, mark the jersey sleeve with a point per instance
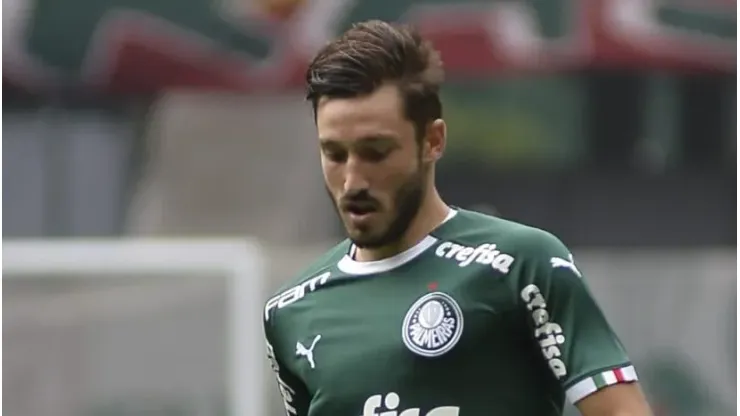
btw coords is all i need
(294, 394)
(567, 325)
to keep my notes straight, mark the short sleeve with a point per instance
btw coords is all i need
(576, 340)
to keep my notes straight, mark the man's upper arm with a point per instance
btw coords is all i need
(616, 400)
(294, 394)
(577, 343)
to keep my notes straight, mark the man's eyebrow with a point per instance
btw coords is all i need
(375, 139)
(331, 144)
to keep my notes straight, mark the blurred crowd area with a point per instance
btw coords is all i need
(611, 123)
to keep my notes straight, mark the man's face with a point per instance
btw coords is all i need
(372, 165)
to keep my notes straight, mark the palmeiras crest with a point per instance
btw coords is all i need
(433, 325)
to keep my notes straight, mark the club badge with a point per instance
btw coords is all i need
(433, 325)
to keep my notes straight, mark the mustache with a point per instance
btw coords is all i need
(358, 199)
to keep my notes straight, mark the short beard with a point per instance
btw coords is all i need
(406, 202)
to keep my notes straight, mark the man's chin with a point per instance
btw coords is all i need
(365, 238)
(365, 242)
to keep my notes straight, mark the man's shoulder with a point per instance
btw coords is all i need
(513, 250)
(308, 280)
(475, 228)
(322, 264)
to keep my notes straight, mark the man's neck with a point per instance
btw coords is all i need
(431, 214)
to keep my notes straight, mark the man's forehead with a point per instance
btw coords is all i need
(382, 105)
(347, 121)
(365, 132)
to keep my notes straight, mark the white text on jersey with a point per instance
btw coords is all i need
(483, 254)
(375, 403)
(285, 390)
(548, 334)
(295, 293)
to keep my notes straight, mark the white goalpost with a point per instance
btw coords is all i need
(239, 261)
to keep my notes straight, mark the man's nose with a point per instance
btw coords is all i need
(355, 177)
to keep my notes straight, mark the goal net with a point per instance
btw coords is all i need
(133, 327)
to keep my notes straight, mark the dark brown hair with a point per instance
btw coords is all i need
(372, 53)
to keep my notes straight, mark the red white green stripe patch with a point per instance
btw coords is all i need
(598, 381)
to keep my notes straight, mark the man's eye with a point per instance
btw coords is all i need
(337, 156)
(373, 155)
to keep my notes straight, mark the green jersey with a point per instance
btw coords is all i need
(482, 317)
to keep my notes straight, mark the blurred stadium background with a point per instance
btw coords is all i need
(160, 177)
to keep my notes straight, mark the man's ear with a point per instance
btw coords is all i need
(435, 141)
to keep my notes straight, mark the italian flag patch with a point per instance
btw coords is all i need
(598, 381)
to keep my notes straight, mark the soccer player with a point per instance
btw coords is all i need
(428, 309)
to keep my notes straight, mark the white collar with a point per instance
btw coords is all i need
(350, 266)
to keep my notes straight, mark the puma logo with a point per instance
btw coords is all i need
(302, 351)
(568, 264)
